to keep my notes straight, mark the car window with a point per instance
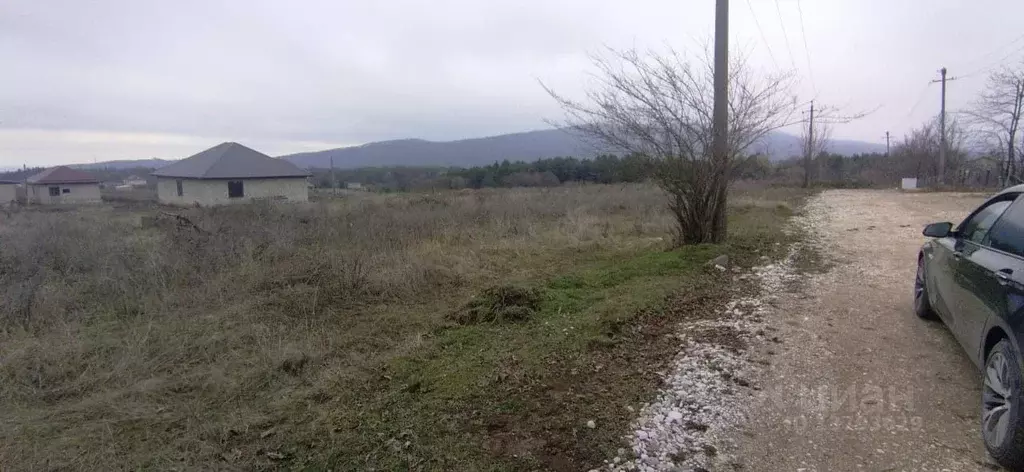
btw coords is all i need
(977, 228)
(1007, 234)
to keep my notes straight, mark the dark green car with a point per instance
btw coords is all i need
(972, 277)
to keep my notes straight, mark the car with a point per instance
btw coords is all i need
(972, 278)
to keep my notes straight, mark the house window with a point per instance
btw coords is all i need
(235, 189)
(54, 191)
(65, 190)
(181, 191)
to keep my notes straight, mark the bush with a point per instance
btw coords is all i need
(500, 304)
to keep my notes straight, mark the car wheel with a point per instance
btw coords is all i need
(922, 306)
(1001, 426)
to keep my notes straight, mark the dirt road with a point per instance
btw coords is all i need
(856, 381)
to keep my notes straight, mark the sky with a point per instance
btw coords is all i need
(84, 81)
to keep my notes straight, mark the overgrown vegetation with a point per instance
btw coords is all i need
(503, 303)
(321, 335)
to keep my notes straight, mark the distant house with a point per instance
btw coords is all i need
(63, 184)
(8, 191)
(354, 185)
(135, 181)
(230, 173)
(980, 172)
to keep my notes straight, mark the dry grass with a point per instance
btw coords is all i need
(309, 335)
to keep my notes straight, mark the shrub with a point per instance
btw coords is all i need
(500, 304)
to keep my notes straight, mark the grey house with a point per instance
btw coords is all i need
(61, 185)
(230, 173)
(8, 192)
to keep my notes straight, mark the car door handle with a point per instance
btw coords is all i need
(1004, 276)
(957, 255)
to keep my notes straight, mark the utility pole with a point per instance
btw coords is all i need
(887, 144)
(720, 136)
(810, 149)
(942, 127)
(334, 181)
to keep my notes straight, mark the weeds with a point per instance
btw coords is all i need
(265, 336)
(502, 304)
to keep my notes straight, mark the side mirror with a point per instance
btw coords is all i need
(938, 230)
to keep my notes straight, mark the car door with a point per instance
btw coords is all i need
(976, 290)
(998, 277)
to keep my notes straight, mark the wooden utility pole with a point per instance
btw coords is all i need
(886, 144)
(334, 181)
(810, 149)
(942, 127)
(720, 128)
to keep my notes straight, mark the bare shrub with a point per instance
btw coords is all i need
(246, 314)
(660, 106)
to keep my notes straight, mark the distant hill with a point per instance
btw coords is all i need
(781, 146)
(125, 164)
(528, 146)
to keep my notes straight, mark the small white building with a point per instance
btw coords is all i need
(8, 192)
(230, 173)
(59, 185)
(134, 181)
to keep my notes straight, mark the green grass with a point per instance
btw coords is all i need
(517, 396)
(451, 393)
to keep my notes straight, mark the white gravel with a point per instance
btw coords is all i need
(700, 400)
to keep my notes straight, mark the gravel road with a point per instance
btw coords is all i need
(856, 381)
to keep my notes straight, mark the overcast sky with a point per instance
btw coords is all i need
(101, 80)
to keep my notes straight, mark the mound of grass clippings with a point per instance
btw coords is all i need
(500, 304)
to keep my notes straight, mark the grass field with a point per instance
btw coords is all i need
(469, 330)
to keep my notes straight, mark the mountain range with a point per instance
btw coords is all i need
(126, 164)
(527, 146)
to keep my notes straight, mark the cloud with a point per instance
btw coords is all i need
(41, 147)
(160, 78)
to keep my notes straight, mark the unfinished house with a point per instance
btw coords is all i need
(230, 173)
(63, 185)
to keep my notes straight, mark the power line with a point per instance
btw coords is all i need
(807, 51)
(920, 99)
(994, 51)
(763, 40)
(784, 34)
(993, 64)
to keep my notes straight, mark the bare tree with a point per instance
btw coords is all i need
(996, 116)
(918, 153)
(660, 106)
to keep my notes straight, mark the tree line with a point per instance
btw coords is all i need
(605, 169)
(913, 158)
(982, 143)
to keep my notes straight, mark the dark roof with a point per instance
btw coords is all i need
(63, 175)
(9, 182)
(230, 161)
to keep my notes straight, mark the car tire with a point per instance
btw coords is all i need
(922, 307)
(1002, 428)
